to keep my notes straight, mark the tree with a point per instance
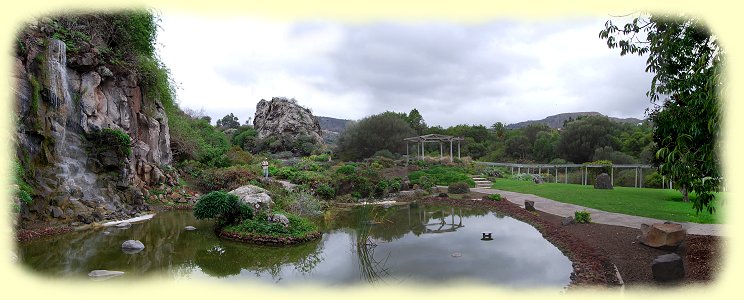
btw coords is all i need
(228, 121)
(383, 131)
(416, 121)
(686, 60)
(580, 137)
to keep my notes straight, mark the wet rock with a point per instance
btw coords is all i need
(666, 235)
(668, 267)
(104, 274)
(189, 228)
(567, 220)
(84, 218)
(529, 205)
(132, 246)
(603, 182)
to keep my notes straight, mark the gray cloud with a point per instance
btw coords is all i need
(453, 73)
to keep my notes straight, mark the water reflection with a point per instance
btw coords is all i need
(369, 244)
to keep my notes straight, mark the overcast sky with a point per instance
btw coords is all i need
(453, 73)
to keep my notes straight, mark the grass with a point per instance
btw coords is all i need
(644, 202)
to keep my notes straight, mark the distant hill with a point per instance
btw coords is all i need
(332, 124)
(556, 121)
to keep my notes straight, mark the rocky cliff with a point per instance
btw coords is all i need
(70, 108)
(284, 125)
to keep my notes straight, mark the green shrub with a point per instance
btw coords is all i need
(225, 179)
(320, 157)
(325, 191)
(425, 182)
(304, 204)
(298, 227)
(395, 185)
(494, 197)
(288, 173)
(442, 175)
(522, 177)
(582, 217)
(108, 139)
(458, 188)
(384, 153)
(381, 189)
(25, 190)
(224, 207)
(347, 169)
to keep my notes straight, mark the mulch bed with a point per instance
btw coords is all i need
(267, 240)
(595, 248)
(26, 235)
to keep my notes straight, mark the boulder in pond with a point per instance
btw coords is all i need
(666, 235)
(190, 228)
(132, 246)
(258, 198)
(279, 218)
(104, 274)
(668, 267)
(529, 205)
(603, 182)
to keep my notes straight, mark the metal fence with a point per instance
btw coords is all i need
(555, 169)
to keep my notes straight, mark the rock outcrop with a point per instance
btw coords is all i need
(286, 126)
(64, 96)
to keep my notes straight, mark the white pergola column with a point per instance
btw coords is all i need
(458, 149)
(451, 157)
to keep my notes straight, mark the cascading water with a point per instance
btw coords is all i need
(73, 176)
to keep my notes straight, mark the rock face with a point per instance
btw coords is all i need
(658, 235)
(256, 197)
(61, 99)
(668, 267)
(288, 124)
(603, 182)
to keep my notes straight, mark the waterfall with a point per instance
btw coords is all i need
(56, 74)
(73, 176)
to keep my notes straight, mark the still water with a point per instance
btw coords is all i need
(400, 244)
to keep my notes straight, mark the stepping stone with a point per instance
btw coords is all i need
(132, 246)
(190, 228)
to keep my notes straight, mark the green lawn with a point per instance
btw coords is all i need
(652, 203)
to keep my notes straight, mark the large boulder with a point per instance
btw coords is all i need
(662, 235)
(537, 179)
(287, 122)
(256, 197)
(668, 267)
(603, 182)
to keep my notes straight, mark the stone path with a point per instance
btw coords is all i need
(598, 216)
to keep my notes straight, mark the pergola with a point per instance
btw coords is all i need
(433, 138)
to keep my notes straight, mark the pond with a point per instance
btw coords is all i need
(396, 245)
